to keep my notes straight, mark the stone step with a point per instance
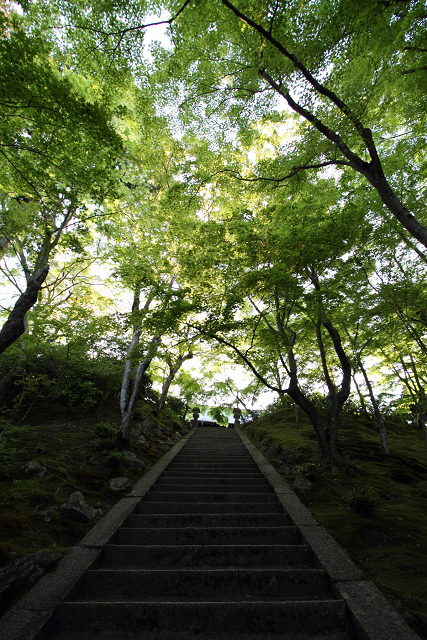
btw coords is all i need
(214, 466)
(215, 457)
(227, 450)
(215, 480)
(213, 475)
(208, 520)
(231, 555)
(284, 618)
(212, 488)
(208, 507)
(205, 496)
(219, 585)
(206, 535)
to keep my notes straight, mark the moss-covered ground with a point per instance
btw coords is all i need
(390, 545)
(63, 440)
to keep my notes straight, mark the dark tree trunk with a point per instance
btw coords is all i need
(14, 326)
(167, 383)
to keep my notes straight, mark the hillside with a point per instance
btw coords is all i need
(75, 449)
(389, 544)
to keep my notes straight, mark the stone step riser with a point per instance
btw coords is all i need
(214, 466)
(211, 478)
(211, 488)
(197, 496)
(194, 456)
(163, 556)
(211, 584)
(207, 507)
(199, 473)
(214, 535)
(208, 520)
(192, 481)
(196, 617)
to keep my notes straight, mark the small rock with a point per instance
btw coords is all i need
(98, 460)
(143, 428)
(265, 442)
(28, 569)
(286, 469)
(303, 484)
(182, 430)
(286, 453)
(120, 484)
(166, 430)
(142, 442)
(46, 513)
(135, 463)
(77, 505)
(34, 468)
(162, 448)
(273, 450)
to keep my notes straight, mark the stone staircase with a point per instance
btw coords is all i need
(207, 553)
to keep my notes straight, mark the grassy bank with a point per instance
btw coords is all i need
(390, 544)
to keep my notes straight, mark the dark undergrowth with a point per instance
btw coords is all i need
(63, 440)
(387, 541)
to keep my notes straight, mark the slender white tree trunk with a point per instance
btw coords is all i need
(128, 414)
(124, 391)
(377, 412)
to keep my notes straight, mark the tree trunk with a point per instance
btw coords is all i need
(185, 411)
(167, 383)
(336, 398)
(14, 326)
(4, 382)
(422, 423)
(123, 435)
(125, 389)
(296, 417)
(361, 398)
(421, 411)
(377, 412)
(298, 396)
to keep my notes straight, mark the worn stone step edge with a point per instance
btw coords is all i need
(184, 556)
(211, 488)
(261, 617)
(201, 535)
(167, 520)
(199, 508)
(206, 496)
(373, 616)
(203, 584)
